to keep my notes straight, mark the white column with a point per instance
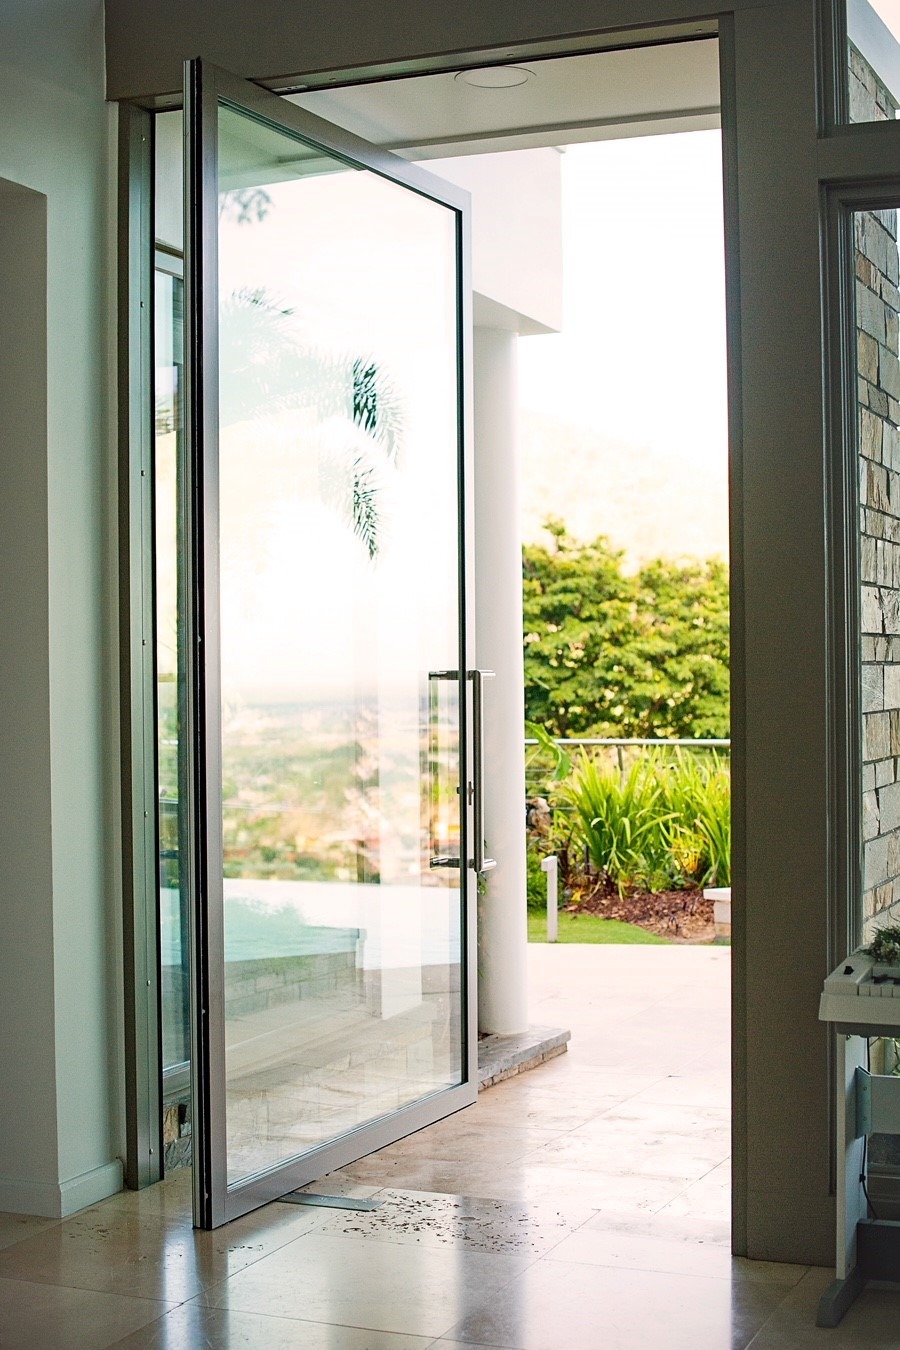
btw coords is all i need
(503, 928)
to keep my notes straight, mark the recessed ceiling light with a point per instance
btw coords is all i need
(496, 77)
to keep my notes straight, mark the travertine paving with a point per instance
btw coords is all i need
(581, 1206)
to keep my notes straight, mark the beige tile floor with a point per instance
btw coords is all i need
(583, 1206)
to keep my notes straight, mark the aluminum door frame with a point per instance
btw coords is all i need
(206, 87)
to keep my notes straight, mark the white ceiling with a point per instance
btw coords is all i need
(600, 96)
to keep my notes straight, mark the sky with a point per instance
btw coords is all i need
(890, 12)
(641, 357)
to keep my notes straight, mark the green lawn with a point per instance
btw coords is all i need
(590, 928)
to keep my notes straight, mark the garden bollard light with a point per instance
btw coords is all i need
(550, 865)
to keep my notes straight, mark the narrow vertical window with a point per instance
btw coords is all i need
(877, 266)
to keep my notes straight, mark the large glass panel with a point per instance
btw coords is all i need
(878, 370)
(340, 641)
(877, 264)
(873, 54)
(173, 911)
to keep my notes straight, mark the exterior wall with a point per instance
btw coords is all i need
(878, 370)
(870, 99)
(516, 253)
(59, 1000)
(874, 64)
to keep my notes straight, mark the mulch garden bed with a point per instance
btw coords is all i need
(679, 916)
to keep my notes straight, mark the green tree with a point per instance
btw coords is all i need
(682, 680)
(578, 606)
(608, 654)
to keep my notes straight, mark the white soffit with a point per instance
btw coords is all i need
(601, 96)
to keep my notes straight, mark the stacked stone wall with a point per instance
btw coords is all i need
(878, 371)
(870, 100)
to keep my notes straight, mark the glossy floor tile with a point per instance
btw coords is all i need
(702, 1232)
(556, 1304)
(41, 1317)
(582, 1206)
(15, 1227)
(194, 1325)
(424, 1219)
(872, 1323)
(170, 1201)
(379, 1285)
(708, 1198)
(659, 1251)
(117, 1251)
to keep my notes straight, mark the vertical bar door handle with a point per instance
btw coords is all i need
(480, 863)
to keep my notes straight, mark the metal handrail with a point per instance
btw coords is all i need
(618, 743)
(637, 740)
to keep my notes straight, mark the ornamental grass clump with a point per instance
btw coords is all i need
(622, 821)
(697, 794)
(662, 823)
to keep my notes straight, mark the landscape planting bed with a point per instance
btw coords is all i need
(680, 916)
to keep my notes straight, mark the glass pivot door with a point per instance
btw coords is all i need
(333, 935)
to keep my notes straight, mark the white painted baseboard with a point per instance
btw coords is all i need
(58, 1200)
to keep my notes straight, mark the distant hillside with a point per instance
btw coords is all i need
(647, 503)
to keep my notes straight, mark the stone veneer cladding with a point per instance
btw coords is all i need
(878, 371)
(870, 100)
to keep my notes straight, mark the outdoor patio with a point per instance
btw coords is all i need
(634, 1118)
(581, 1205)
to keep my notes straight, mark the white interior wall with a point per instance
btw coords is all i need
(27, 1059)
(59, 1062)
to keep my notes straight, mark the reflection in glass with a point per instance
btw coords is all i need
(877, 265)
(339, 600)
(173, 906)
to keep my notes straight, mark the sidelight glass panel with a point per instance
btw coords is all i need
(339, 645)
(873, 56)
(877, 266)
(173, 902)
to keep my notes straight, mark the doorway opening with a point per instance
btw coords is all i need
(638, 1112)
(624, 430)
(279, 855)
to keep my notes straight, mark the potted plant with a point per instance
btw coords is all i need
(885, 948)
